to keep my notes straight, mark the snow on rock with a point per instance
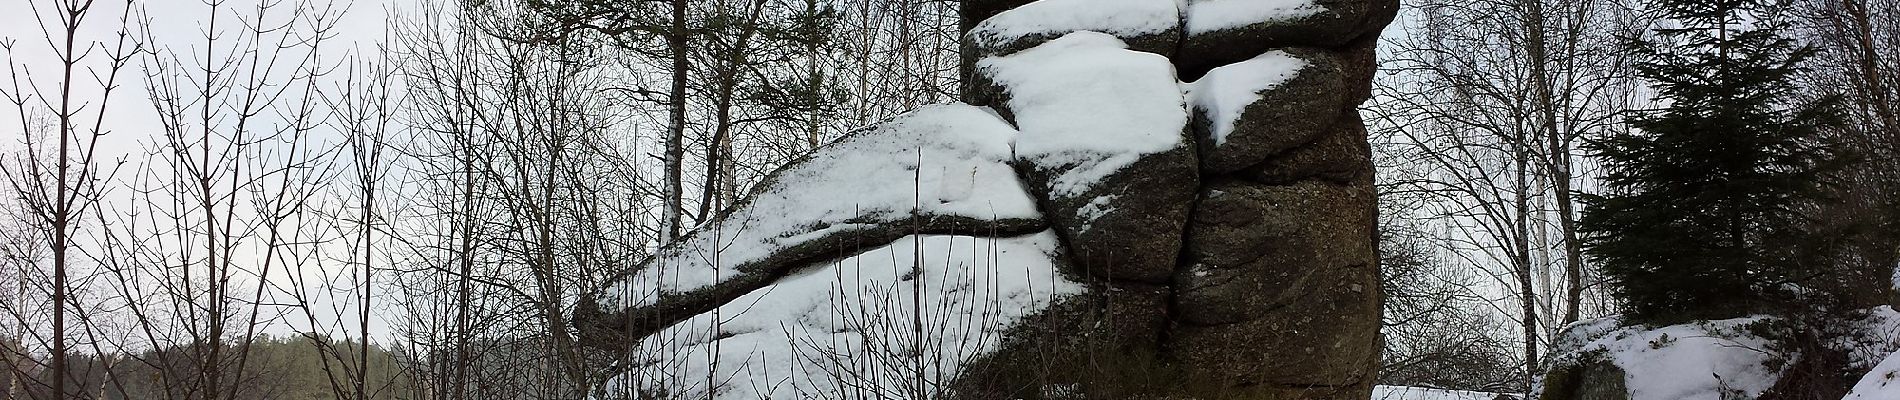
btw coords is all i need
(1095, 209)
(1264, 107)
(848, 323)
(1583, 333)
(1225, 92)
(1052, 18)
(1103, 138)
(1221, 32)
(1086, 103)
(946, 163)
(1882, 383)
(1383, 392)
(1696, 361)
(1205, 16)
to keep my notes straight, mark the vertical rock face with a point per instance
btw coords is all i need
(1203, 177)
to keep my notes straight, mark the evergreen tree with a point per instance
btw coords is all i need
(1703, 203)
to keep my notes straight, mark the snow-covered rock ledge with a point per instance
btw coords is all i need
(938, 170)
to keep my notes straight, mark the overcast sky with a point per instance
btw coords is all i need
(175, 25)
(178, 25)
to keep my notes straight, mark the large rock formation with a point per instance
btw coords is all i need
(1199, 167)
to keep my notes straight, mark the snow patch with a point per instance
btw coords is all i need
(1696, 361)
(1225, 92)
(847, 325)
(1582, 333)
(1383, 392)
(945, 160)
(1125, 18)
(1087, 104)
(1882, 383)
(1088, 213)
(1872, 339)
(1205, 16)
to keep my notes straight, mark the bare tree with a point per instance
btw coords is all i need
(220, 206)
(58, 179)
(1856, 41)
(511, 139)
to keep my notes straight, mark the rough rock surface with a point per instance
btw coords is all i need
(1586, 381)
(1329, 158)
(1278, 284)
(1103, 344)
(1209, 240)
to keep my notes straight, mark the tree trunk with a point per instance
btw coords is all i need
(719, 188)
(676, 42)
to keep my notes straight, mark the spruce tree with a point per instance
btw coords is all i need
(1703, 200)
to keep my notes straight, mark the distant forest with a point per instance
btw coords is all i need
(285, 368)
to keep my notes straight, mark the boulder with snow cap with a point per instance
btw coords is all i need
(1256, 109)
(1103, 143)
(919, 306)
(1737, 358)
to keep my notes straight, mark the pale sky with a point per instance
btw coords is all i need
(176, 25)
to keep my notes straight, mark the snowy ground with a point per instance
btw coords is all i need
(1883, 383)
(1881, 332)
(1419, 393)
(1698, 361)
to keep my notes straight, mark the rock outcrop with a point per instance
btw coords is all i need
(831, 204)
(1200, 168)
